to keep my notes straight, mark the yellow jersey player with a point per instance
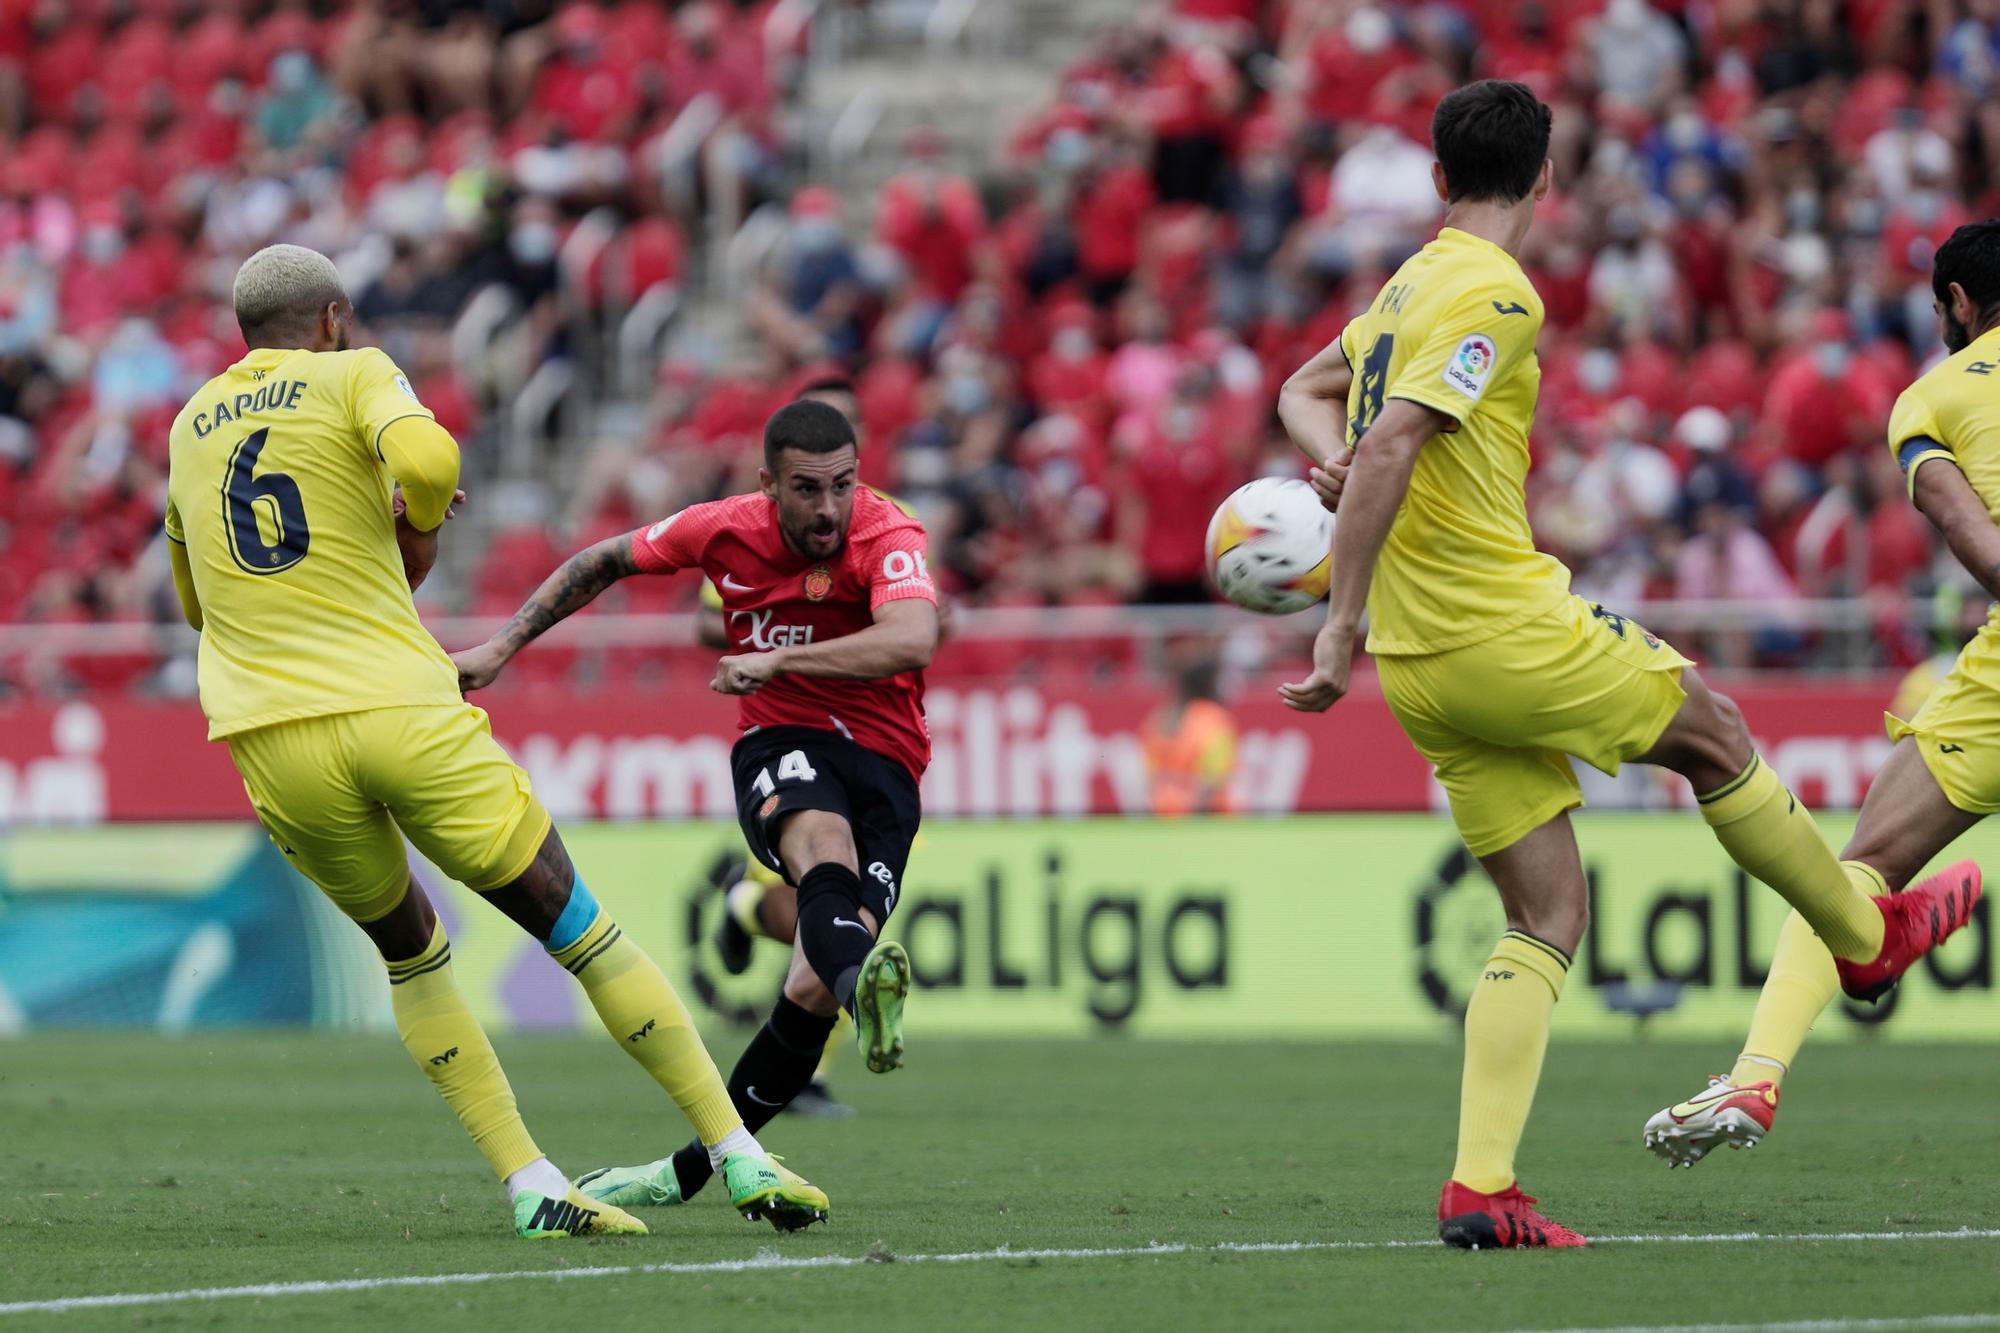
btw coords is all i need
(1417, 418)
(295, 558)
(1943, 773)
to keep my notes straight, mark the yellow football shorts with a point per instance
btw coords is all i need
(333, 792)
(1499, 719)
(1958, 728)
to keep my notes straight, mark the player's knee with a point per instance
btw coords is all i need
(804, 989)
(810, 838)
(1560, 922)
(1708, 742)
(1731, 732)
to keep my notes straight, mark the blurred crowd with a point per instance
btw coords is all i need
(1063, 356)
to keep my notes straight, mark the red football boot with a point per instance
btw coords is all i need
(1469, 1220)
(1914, 922)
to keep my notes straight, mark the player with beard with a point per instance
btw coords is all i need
(758, 904)
(1943, 771)
(830, 604)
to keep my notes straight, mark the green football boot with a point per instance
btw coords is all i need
(762, 1189)
(654, 1185)
(879, 993)
(539, 1217)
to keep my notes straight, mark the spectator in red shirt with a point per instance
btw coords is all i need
(1175, 474)
(1827, 401)
(1111, 205)
(1071, 375)
(591, 98)
(932, 219)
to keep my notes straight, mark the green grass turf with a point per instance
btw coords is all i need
(135, 1163)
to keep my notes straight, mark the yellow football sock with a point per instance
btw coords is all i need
(837, 1041)
(1767, 832)
(1801, 984)
(742, 901)
(1506, 1032)
(640, 1008)
(451, 1049)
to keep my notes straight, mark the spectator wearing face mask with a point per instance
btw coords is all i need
(809, 300)
(1261, 200)
(932, 219)
(1825, 401)
(1181, 468)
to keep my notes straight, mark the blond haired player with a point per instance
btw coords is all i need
(295, 557)
(1943, 774)
(1497, 672)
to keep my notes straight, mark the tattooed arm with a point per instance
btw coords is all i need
(571, 588)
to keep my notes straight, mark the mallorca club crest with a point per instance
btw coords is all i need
(819, 583)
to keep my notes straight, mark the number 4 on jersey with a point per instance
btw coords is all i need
(1374, 383)
(794, 767)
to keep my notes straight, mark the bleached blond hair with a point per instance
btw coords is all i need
(283, 286)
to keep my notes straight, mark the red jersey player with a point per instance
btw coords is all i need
(830, 605)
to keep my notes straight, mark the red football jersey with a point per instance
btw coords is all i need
(773, 597)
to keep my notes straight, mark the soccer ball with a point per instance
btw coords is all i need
(1270, 547)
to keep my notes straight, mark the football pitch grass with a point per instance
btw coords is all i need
(1101, 1184)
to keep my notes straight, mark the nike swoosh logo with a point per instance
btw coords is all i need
(843, 921)
(729, 584)
(1696, 1105)
(751, 1093)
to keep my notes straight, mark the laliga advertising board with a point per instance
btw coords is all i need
(1318, 926)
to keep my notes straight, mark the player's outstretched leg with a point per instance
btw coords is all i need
(451, 1049)
(1905, 821)
(834, 952)
(1541, 884)
(774, 1067)
(1874, 939)
(641, 1009)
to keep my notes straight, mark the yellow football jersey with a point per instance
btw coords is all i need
(277, 488)
(1953, 411)
(1455, 329)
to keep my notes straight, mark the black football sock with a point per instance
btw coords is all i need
(835, 939)
(774, 1068)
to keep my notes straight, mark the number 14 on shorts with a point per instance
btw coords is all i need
(792, 767)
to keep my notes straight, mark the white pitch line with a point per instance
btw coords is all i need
(767, 1261)
(1914, 1322)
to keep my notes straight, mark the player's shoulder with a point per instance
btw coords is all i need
(1972, 371)
(1465, 268)
(696, 524)
(1944, 398)
(360, 366)
(878, 516)
(184, 419)
(1498, 287)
